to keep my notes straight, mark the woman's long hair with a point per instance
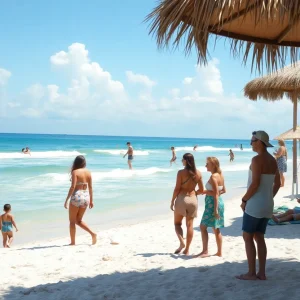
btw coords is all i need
(190, 164)
(79, 162)
(281, 143)
(215, 163)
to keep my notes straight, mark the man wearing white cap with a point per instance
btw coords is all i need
(258, 204)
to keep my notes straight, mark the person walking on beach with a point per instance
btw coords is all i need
(130, 155)
(258, 204)
(173, 159)
(7, 222)
(281, 158)
(213, 215)
(81, 194)
(231, 155)
(184, 202)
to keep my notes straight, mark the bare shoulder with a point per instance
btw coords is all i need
(199, 174)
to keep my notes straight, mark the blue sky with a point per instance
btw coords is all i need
(91, 68)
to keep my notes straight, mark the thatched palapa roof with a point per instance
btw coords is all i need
(285, 82)
(290, 134)
(265, 31)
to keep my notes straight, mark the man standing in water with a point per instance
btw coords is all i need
(130, 155)
(258, 203)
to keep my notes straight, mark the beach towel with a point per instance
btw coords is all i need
(280, 210)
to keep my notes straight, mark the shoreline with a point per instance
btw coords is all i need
(142, 264)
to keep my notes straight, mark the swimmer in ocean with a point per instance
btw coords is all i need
(26, 151)
(195, 147)
(173, 159)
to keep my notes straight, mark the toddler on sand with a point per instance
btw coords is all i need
(6, 226)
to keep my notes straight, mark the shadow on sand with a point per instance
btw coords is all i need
(214, 282)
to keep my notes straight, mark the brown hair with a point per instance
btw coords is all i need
(281, 143)
(190, 163)
(215, 163)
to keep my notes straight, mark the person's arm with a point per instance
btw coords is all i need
(256, 174)
(176, 189)
(223, 191)
(200, 184)
(125, 154)
(72, 187)
(14, 223)
(278, 153)
(277, 183)
(214, 184)
(0, 223)
(90, 182)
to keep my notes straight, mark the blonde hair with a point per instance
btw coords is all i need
(215, 163)
(281, 143)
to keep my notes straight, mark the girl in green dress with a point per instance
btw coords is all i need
(213, 215)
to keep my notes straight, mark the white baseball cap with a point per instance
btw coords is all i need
(263, 137)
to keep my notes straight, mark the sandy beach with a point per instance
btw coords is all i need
(142, 266)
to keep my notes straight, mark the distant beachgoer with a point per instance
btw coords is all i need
(281, 158)
(241, 147)
(173, 159)
(7, 222)
(184, 201)
(258, 204)
(213, 215)
(195, 148)
(130, 155)
(81, 194)
(289, 215)
(231, 155)
(26, 151)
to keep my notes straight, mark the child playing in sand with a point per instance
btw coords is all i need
(6, 226)
(173, 159)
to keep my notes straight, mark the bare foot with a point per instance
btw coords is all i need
(72, 244)
(202, 254)
(186, 252)
(218, 254)
(275, 219)
(179, 249)
(246, 277)
(94, 239)
(261, 276)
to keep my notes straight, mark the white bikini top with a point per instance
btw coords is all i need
(208, 186)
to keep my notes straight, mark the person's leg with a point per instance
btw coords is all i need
(204, 235)
(283, 179)
(83, 225)
(73, 211)
(10, 238)
(251, 257)
(287, 216)
(218, 235)
(129, 164)
(262, 255)
(4, 236)
(189, 234)
(178, 229)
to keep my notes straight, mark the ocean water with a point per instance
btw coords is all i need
(36, 186)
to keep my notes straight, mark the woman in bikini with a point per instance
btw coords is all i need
(184, 201)
(213, 215)
(81, 194)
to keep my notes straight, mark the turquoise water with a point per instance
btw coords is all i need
(36, 185)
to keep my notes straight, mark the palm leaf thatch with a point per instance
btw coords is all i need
(285, 82)
(267, 31)
(290, 134)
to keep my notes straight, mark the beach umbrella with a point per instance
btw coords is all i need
(290, 134)
(272, 87)
(265, 31)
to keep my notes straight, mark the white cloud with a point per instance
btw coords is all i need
(4, 76)
(175, 92)
(36, 91)
(139, 78)
(187, 80)
(13, 104)
(31, 113)
(211, 76)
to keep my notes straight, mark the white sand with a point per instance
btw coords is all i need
(142, 265)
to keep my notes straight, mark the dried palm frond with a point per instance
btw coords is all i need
(266, 31)
(284, 82)
(289, 135)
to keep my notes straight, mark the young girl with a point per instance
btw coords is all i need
(173, 159)
(6, 225)
(213, 215)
